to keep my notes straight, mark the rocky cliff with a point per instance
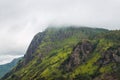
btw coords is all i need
(71, 53)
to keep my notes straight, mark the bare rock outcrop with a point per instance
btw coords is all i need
(111, 55)
(78, 55)
(32, 48)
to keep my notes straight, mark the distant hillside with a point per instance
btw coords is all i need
(7, 67)
(70, 53)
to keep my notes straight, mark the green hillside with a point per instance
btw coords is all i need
(5, 68)
(71, 53)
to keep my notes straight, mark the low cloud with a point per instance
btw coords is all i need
(7, 58)
(20, 20)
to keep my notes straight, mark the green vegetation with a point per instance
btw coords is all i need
(7, 67)
(57, 47)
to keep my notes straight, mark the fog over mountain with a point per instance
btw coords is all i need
(20, 20)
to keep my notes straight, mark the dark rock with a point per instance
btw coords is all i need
(79, 55)
(111, 55)
(32, 48)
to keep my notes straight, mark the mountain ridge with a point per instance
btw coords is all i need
(70, 53)
(5, 68)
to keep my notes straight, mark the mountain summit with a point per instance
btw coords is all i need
(70, 53)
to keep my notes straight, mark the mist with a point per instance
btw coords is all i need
(20, 20)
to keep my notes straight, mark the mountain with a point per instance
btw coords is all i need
(70, 53)
(7, 67)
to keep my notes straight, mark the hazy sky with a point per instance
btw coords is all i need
(20, 20)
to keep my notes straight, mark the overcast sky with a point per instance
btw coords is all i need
(20, 20)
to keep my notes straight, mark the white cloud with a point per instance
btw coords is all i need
(7, 58)
(20, 20)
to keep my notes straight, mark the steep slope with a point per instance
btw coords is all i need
(70, 53)
(102, 62)
(7, 67)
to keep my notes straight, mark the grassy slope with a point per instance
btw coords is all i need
(60, 49)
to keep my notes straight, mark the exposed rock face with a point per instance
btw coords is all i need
(48, 56)
(110, 56)
(33, 46)
(79, 55)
